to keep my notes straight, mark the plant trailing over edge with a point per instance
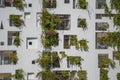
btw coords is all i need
(82, 24)
(116, 20)
(75, 60)
(103, 74)
(117, 56)
(118, 76)
(50, 38)
(48, 21)
(115, 4)
(107, 11)
(13, 57)
(82, 4)
(17, 39)
(63, 54)
(19, 74)
(18, 4)
(106, 62)
(83, 45)
(102, 26)
(45, 60)
(47, 75)
(16, 21)
(112, 40)
(82, 75)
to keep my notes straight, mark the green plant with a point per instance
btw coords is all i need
(102, 26)
(50, 39)
(45, 60)
(18, 4)
(106, 10)
(83, 45)
(105, 62)
(63, 55)
(76, 43)
(82, 4)
(75, 60)
(82, 24)
(17, 39)
(48, 21)
(118, 76)
(19, 74)
(103, 74)
(117, 56)
(55, 59)
(115, 4)
(116, 20)
(112, 40)
(13, 57)
(82, 75)
(16, 21)
(47, 75)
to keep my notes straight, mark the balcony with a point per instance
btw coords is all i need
(49, 3)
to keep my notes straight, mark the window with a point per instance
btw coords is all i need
(66, 1)
(30, 43)
(27, 15)
(30, 5)
(31, 76)
(1, 43)
(100, 4)
(33, 62)
(5, 76)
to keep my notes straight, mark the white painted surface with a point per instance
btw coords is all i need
(90, 63)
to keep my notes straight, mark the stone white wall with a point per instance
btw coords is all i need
(90, 63)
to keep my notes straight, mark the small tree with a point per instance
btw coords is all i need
(17, 40)
(13, 57)
(19, 74)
